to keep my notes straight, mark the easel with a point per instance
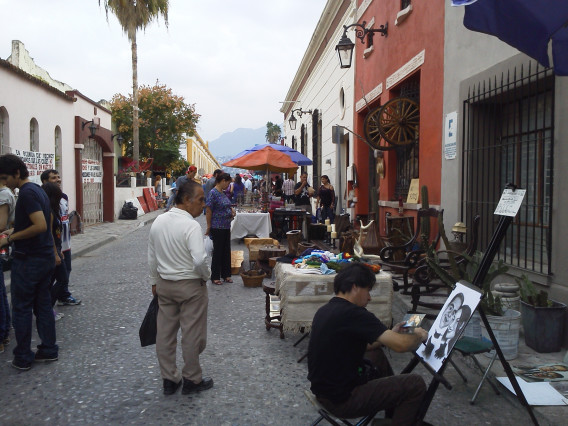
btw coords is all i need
(480, 275)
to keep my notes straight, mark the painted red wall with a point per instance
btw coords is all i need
(422, 30)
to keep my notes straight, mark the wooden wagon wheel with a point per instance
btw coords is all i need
(398, 121)
(372, 133)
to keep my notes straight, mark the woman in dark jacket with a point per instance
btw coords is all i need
(326, 199)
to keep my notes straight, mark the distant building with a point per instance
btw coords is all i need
(197, 153)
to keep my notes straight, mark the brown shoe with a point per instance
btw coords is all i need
(190, 387)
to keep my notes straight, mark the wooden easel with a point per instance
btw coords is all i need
(480, 275)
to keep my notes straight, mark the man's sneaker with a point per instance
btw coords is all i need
(19, 365)
(190, 387)
(69, 301)
(39, 357)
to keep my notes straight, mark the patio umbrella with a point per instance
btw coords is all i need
(297, 157)
(266, 158)
(528, 25)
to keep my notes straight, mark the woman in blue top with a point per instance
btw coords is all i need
(219, 215)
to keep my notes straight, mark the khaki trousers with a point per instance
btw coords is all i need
(181, 304)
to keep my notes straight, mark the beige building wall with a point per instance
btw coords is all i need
(198, 154)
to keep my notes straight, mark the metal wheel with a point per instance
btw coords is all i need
(372, 132)
(398, 121)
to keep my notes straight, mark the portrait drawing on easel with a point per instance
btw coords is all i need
(449, 325)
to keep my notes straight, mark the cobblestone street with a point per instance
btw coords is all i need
(103, 376)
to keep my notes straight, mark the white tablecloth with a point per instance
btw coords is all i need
(301, 295)
(251, 224)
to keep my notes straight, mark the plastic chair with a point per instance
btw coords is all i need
(468, 346)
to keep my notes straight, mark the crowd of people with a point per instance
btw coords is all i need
(37, 225)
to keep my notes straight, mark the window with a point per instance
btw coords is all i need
(508, 138)
(57, 143)
(407, 155)
(4, 131)
(304, 145)
(294, 143)
(34, 135)
(404, 4)
(316, 148)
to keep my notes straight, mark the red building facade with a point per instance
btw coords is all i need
(406, 63)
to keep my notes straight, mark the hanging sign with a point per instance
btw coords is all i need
(36, 162)
(510, 202)
(92, 171)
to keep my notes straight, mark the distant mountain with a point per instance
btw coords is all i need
(229, 144)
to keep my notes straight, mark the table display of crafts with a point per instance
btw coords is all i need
(326, 262)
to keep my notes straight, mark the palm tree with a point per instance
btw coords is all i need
(273, 132)
(134, 15)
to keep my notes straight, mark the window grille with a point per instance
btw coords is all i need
(316, 148)
(508, 134)
(304, 145)
(407, 156)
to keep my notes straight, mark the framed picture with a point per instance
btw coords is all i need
(449, 324)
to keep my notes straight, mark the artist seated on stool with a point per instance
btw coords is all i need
(342, 330)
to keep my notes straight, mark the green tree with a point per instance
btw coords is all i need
(164, 121)
(273, 132)
(134, 15)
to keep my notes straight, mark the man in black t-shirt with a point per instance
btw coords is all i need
(32, 266)
(302, 193)
(342, 330)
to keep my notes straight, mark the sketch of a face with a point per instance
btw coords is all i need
(453, 325)
(449, 314)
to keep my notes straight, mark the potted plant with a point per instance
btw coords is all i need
(543, 319)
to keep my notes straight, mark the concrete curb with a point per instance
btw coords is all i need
(110, 239)
(80, 252)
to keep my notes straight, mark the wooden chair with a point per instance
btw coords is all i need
(402, 259)
(273, 318)
(426, 283)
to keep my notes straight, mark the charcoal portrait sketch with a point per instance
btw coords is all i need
(449, 325)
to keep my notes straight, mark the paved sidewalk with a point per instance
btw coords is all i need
(98, 235)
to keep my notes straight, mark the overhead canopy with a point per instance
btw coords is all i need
(266, 158)
(297, 157)
(528, 25)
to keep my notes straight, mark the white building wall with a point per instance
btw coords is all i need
(322, 92)
(23, 101)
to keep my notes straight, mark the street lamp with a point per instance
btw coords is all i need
(293, 121)
(95, 122)
(345, 46)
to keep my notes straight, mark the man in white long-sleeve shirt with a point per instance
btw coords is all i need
(179, 271)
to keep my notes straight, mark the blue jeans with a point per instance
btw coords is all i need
(60, 280)
(31, 279)
(4, 310)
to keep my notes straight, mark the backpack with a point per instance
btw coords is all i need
(129, 211)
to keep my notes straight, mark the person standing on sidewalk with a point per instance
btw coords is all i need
(32, 267)
(179, 271)
(64, 297)
(7, 208)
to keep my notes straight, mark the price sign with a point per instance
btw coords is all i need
(510, 202)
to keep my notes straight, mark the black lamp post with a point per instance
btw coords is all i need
(93, 127)
(345, 46)
(293, 121)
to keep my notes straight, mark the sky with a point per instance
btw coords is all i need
(233, 59)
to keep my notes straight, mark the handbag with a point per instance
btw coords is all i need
(149, 327)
